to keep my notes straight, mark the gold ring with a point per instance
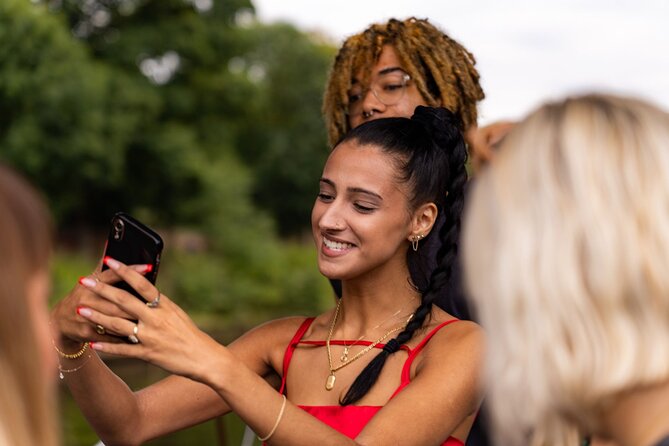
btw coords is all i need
(99, 329)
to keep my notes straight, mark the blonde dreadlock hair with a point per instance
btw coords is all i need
(442, 69)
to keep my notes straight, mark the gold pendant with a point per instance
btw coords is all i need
(344, 356)
(330, 382)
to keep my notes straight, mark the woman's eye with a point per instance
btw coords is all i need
(325, 197)
(362, 208)
(392, 87)
(354, 97)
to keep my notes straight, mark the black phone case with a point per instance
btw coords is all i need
(132, 243)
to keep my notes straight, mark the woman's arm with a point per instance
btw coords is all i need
(121, 416)
(443, 392)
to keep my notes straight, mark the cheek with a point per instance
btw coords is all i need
(44, 337)
(412, 100)
(354, 121)
(315, 218)
(38, 289)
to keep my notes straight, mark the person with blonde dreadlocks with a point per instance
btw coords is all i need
(386, 71)
(433, 70)
(390, 68)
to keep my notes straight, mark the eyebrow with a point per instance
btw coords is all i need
(390, 70)
(381, 73)
(358, 190)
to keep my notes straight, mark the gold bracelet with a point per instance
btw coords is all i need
(62, 371)
(76, 355)
(278, 420)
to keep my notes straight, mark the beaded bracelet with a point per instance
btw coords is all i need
(278, 420)
(76, 355)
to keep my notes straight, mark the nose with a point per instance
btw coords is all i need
(371, 105)
(332, 218)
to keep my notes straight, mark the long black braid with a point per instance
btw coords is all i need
(431, 155)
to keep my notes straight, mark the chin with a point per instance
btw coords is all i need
(332, 273)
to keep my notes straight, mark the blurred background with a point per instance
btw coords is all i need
(202, 119)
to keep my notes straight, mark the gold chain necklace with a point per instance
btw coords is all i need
(330, 381)
(344, 356)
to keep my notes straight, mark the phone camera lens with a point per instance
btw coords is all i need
(118, 229)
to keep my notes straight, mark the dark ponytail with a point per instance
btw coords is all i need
(432, 155)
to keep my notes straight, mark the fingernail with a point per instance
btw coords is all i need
(113, 264)
(83, 311)
(143, 268)
(87, 282)
(95, 346)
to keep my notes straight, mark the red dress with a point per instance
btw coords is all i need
(349, 420)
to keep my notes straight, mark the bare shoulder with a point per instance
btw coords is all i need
(276, 331)
(262, 348)
(461, 340)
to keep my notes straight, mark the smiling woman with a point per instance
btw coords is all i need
(369, 371)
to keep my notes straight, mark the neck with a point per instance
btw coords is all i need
(639, 417)
(365, 310)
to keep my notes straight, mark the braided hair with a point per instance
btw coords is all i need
(442, 69)
(430, 154)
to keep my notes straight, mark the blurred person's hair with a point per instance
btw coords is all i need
(27, 403)
(566, 245)
(442, 69)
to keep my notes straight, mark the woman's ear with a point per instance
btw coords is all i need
(423, 220)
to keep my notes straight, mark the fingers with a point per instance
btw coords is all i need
(66, 317)
(110, 276)
(136, 280)
(127, 350)
(120, 298)
(107, 324)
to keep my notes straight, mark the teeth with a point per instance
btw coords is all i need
(336, 245)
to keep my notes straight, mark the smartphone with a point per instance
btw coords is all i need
(132, 242)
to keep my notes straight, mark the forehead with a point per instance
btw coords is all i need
(366, 166)
(387, 59)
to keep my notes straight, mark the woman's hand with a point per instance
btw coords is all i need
(165, 334)
(71, 327)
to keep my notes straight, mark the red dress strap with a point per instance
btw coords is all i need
(406, 370)
(288, 355)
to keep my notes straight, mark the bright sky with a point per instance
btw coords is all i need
(527, 51)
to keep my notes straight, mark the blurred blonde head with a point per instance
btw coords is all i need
(570, 227)
(26, 357)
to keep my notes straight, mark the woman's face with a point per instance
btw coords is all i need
(361, 219)
(368, 106)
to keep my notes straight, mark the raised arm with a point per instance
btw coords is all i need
(442, 395)
(119, 415)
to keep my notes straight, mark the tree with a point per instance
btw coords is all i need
(287, 145)
(181, 113)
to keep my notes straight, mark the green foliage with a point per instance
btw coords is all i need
(197, 120)
(288, 150)
(66, 269)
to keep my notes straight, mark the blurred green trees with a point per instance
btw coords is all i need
(186, 113)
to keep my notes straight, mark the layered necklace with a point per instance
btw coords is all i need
(330, 381)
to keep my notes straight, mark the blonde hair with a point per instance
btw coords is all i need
(27, 403)
(442, 69)
(566, 248)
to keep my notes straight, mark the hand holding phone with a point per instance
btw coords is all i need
(133, 243)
